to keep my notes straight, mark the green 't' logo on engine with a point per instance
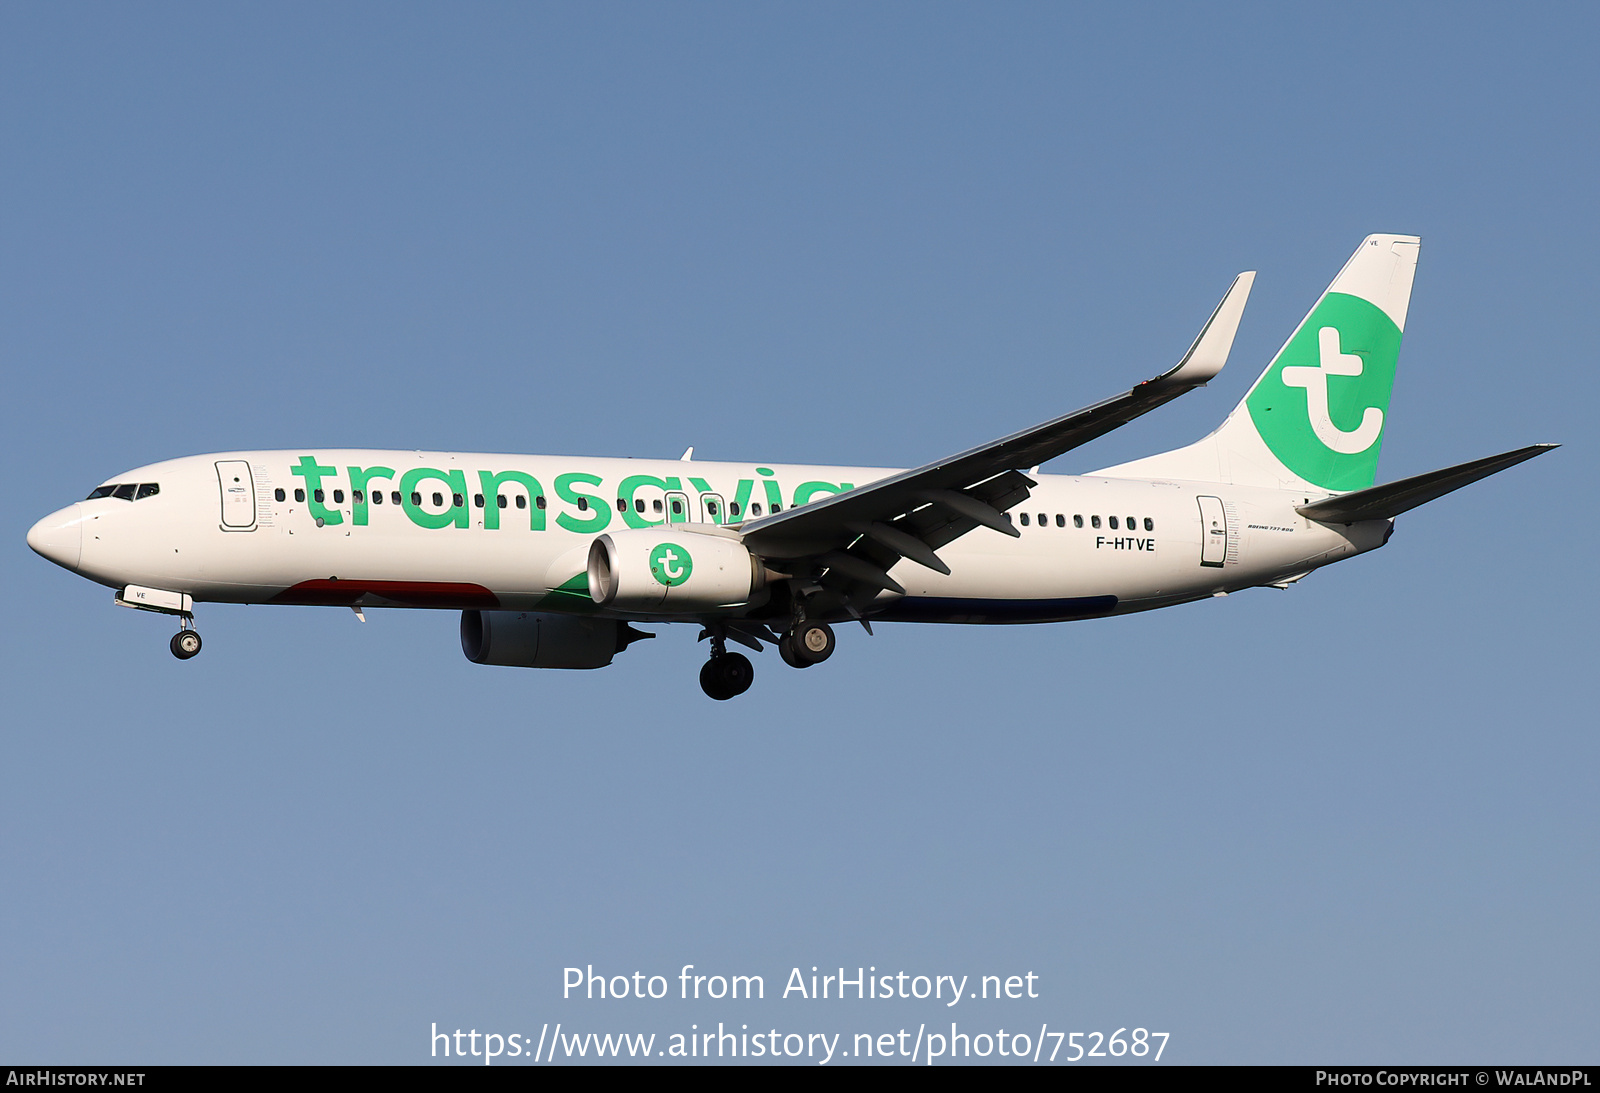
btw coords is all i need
(670, 564)
(1321, 406)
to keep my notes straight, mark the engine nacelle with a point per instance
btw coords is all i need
(533, 639)
(668, 570)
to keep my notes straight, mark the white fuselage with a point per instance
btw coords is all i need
(466, 530)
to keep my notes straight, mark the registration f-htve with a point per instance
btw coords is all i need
(553, 560)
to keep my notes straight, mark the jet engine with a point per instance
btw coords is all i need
(668, 570)
(533, 639)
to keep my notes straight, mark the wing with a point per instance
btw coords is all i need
(849, 541)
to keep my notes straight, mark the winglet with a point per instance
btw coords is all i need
(1210, 349)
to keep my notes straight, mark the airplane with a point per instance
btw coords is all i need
(553, 561)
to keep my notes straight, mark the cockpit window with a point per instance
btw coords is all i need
(125, 491)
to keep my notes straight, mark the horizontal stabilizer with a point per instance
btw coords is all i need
(1383, 502)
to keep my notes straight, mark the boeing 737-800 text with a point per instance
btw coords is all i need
(552, 560)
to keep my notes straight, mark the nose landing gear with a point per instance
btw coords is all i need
(186, 642)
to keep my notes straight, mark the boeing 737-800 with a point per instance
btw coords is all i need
(552, 560)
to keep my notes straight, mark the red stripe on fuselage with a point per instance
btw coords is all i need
(338, 593)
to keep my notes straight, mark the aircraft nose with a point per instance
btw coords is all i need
(59, 537)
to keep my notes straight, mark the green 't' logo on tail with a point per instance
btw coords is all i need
(1321, 406)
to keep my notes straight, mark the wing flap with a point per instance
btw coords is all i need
(932, 525)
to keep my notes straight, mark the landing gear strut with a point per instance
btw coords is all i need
(806, 643)
(186, 642)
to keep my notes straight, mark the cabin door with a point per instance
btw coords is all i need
(238, 495)
(1213, 532)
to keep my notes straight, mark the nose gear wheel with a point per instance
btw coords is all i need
(185, 644)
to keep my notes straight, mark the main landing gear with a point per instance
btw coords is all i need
(806, 643)
(725, 674)
(728, 674)
(186, 642)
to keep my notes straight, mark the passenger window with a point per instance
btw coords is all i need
(1061, 521)
(357, 496)
(733, 509)
(539, 501)
(622, 506)
(338, 497)
(638, 504)
(1133, 525)
(1149, 524)
(457, 501)
(416, 498)
(522, 502)
(755, 509)
(1077, 521)
(500, 499)
(677, 508)
(1112, 522)
(1024, 519)
(711, 507)
(583, 504)
(477, 500)
(1044, 520)
(1094, 521)
(300, 495)
(657, 505)
(320, 496)
(438, 500)
(278, 495)
(394, 496)
(777, 508)
(377, 497)
(149, 489)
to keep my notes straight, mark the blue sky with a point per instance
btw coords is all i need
(1351, 822)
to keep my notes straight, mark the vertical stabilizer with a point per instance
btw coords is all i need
(1316, 417)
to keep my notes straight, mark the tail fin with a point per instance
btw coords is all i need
(1316, 417)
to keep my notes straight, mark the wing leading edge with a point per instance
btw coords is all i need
(855, 537)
